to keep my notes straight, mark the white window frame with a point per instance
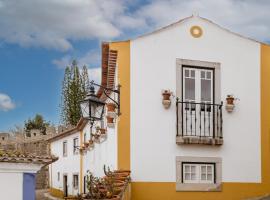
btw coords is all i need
(65, 148)
(199, 185)
(198, 172)
(75, 145)
(181, 63)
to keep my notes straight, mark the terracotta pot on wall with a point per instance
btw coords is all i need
(109, 120)
(166, 95)
(230, 100)
(230, 103)
(166, 101)
(102, 131)
(111, 107)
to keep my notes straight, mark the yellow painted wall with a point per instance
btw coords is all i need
(123, 61)
(164, 191)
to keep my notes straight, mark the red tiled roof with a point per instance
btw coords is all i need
(108, 68)
(19, 157)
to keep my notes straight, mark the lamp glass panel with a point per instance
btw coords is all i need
(85, 109)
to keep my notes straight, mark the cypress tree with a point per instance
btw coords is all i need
(74, 89)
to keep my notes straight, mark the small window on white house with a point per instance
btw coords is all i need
(65, 148)
(58, 176)
(198, 173)
(75, 145)
(75, 181)
(84, 137)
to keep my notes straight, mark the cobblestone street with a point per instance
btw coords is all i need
(40, 195)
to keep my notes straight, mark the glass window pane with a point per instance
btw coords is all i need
(202, 74)
(187, 168)
(186, 73)
(209, 177)
(208, 75)
(193, 169)
(203, 177)
(203, 169)
(209, 169)
(193, 73)
(187, 176)
(193, 176)
(189, 89)
(205, 90)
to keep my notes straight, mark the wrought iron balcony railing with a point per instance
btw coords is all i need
(199, 122)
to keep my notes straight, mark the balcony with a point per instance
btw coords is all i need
(199, 123)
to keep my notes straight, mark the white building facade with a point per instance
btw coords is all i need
(194, 117)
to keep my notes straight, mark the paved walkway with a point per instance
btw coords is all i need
(44, 195)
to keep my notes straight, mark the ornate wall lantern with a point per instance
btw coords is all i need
(92, 108)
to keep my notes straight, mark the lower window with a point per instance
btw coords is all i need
(75, 181)
(198, 173)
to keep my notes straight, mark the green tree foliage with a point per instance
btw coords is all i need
(74, 89)
(37, 122)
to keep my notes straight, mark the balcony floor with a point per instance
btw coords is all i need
(198, 140)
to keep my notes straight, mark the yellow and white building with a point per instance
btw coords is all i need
(200, 146)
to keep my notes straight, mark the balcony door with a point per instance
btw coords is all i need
(198, 98)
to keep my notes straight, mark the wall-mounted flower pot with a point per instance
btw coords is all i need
(110, 122)
(166, 101)
(111, 109)
(91, 143)
(230, 103)
(103, 132)
(86, 144)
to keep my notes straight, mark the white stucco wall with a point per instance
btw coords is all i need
(153, 129)
(11, 179)
(104, 153)
(68, 165)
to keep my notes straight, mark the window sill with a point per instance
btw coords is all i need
(198, 140)
(199, 187)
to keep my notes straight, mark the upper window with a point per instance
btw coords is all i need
(198, 85)
(75, 145)
(199, 108)
(84, 137)
(58, 176)
(65, 148)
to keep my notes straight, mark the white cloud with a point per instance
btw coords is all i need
(63, 62)
(95, 75)
(249, 18)
(6, 103)
(91, 58)
(57, 24)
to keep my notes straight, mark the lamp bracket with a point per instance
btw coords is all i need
(105, 90)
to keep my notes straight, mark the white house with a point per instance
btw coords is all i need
(195, 117)
(17, 174)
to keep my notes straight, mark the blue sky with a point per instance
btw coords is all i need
(39, 38)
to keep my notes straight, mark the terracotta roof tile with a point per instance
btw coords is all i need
(109, 61)
(19, 157)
